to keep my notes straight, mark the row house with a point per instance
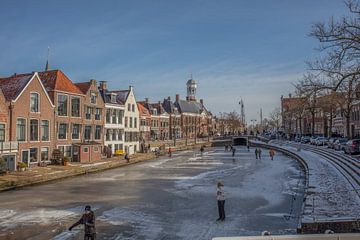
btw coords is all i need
(154, 120)
(131, 119)
(145, 123)
(29, 124)
(163, 121)
(175, 119)
(93, 122)
(114, 120)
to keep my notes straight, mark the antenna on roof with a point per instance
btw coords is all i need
(47, 68)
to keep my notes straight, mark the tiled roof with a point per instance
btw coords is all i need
(57, 80)
(83, 86)
(12, 86)
(121, 95)
(143, 111)
(169, 107)
(160, 110)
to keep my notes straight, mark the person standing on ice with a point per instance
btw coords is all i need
(220, 196)
(272, 154)
(233, 151)
(256, 152)
(88, 219)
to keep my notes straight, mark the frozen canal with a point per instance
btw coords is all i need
(164, 199)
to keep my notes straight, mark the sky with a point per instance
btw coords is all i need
(235, 49)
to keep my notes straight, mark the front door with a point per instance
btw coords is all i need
(76, 154)
(10, 162)
(25, 156)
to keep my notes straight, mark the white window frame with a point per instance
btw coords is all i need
(38, 107)
(67, 105)
(26, 128)
(71, 97)
(57, 132)
(42, 131)
(72, 127)
(4, 130)
(48, 150)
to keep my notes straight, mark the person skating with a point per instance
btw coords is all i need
(256, 153)
(170, 152)
(127, 157)
(248, 147)
(233, 151)
(220, 196)
(202, 149)
(272, 154)
(88, 219)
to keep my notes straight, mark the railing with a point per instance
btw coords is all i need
(6, 147)
(345, 236)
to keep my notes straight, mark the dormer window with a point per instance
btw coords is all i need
(93, 97)
(154, 111)
(113, 98)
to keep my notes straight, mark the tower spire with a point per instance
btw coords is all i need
(47, 68)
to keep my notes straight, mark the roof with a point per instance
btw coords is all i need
(58, 81)
(169, 106)
(13, 86)
(83, 86)
(121, 96)
(143, 111)
(159, 108)
(188, 106)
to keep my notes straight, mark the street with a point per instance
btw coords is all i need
(167, 198)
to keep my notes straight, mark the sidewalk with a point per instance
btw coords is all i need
(36, 175)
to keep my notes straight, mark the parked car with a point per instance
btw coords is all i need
(352, 146)
(340, 144)
(313, 140)
(331, 142)
(320, 141)
(305, 139)
(297, 139)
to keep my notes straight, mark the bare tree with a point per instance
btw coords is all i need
(275, 118)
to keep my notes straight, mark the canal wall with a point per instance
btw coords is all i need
(307, 225)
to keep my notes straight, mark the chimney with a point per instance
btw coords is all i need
(289, 95)
(159, 102)
(93, 82)
(147, 100)
(103, 85)
(169, 98)
(202, 101)
(130, 88)
(177, 97)
(282, 97)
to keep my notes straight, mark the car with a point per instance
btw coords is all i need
(340, 144)
(313, 140)
(320, 141)
(305, 139)
(331, 142)
(352, 146)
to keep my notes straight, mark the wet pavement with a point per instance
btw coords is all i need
(166, 198)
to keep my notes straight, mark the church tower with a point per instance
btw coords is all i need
(191, 90)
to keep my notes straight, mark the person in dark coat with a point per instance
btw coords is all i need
(233, 151)
(220, 196)
(256, 153)
(259, 153)
(88, 219)
(127, 157)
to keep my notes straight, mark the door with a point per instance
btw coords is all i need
(76, 154)
(10, 162)
(25, 156)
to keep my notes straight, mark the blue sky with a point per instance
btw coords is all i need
(251, 49)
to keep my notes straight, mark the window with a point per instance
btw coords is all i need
(129, 107)
(2, 132)
(120, 116)
(135, 122)
(33, 154)
(86, 149)
(114, 114)
(25, 156)
(130, 121)
(114, 135)
(34, 130)
(126, 121)
(62, 105)
(88, 112)
(120, 133)
(107, 134)
(45, 130)
(75, 107)
(97, 114)
(20, 129)
(113, 98)
(34, 102)
(44, 154)
(108, 115)
(62, 131)
(76, 131)
(133, 107)
(87, 133)
(96, 149)
(93, 98)
(97, 132)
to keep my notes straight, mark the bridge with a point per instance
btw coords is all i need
(242, 140)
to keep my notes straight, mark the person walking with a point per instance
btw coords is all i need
(220, 196)
(88, 220)
(233, 151)
(272, 154)
(202, 149)
(127, 157)
(170, 151)
(256, 153)
(248, 147)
